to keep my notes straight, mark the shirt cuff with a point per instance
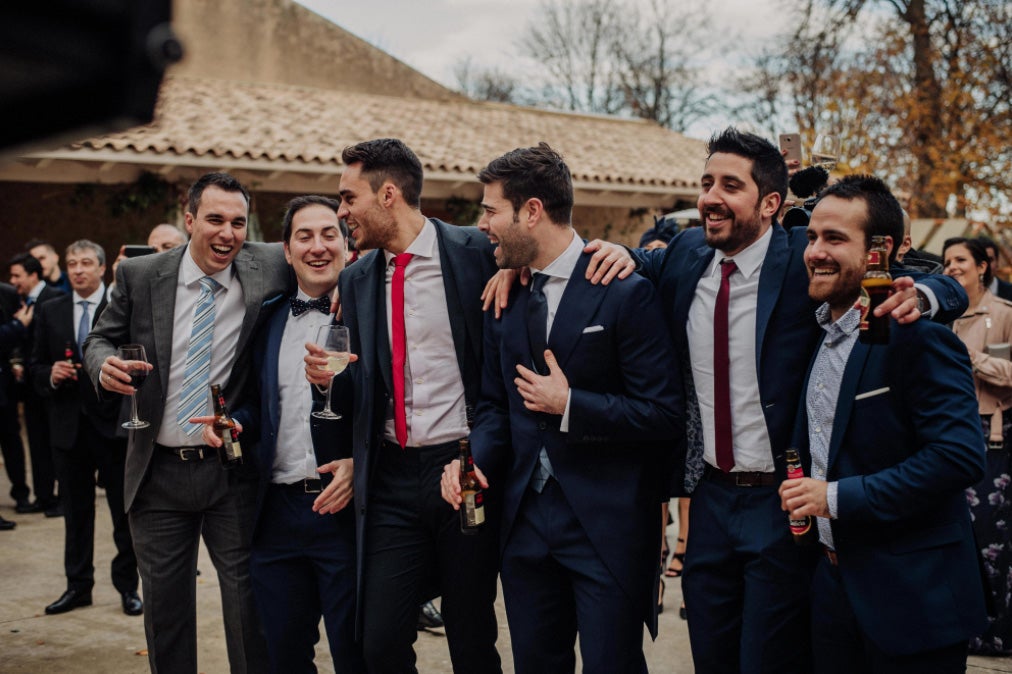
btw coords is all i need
(831, 499)
(932, 300)
(564, 424)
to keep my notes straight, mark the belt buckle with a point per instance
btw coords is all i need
(738, 481)
(995, 444)
(312, 486)
(184, 453)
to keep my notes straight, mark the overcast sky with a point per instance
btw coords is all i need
(433, 35)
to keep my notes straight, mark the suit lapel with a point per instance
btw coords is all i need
(370, 296)
(577, 307)
(460, 278)
(771, 280)
(686, 291)
(248, 271)
(845, 401)
(163, 306)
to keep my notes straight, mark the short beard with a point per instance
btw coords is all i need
(520, 250)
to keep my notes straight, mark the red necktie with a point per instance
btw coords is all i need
(397, 330)
(721, 367)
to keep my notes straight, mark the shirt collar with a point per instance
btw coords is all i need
(190, 273)
(563, 266)
(94, 298)
(845, 326)
(748, 260)
(34, 293)
(424, 244)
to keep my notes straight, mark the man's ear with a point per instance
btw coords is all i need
(769, 205)
(388, 194)
(532, 210)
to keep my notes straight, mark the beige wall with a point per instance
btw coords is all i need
(280, 41)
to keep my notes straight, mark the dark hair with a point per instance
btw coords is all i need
(534, 173)
(298, 203)
(769, 170)
(85, 244)
(885, 216)
(977, 248)
(990, 245)
(29, 262)
(222, 181)
(35, 243)
(388, 159)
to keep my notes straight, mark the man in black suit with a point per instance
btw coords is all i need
(418, 370)
(83, 432)
(47, 256)
(26, 277)
(15, 319)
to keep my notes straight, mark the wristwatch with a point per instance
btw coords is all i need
(923, 305)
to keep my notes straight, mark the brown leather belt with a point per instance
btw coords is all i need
(830, 555)
(741, 479)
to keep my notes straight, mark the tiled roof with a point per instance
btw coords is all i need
(306, 129)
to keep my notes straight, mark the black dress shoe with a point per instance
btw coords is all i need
(132, 604)
(7, 525)
(55, 510)
(68, 601)
(428, 616)
(26, 507)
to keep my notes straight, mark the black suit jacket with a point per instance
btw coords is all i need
(12, 335)
(53, 330)
(467, 264)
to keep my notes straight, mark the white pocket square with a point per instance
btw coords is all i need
(871, 394)
(593, 328)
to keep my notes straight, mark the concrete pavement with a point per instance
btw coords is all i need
(100, 638)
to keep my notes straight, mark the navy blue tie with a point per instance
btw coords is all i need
(537, 323)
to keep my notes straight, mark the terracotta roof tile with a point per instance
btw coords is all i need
(308, 126)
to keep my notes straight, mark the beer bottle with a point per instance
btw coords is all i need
(472, 508)
(68, 353)
(804, 529)
(876, 286)
(230, 453)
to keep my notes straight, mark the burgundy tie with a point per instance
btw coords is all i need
(397, 330)
(721, 375)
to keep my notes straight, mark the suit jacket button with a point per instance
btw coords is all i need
(542, 425)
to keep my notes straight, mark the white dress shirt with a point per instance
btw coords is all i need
(229, 311)
(433, 388)
(294, 458)
(93, 301)
(750, 437)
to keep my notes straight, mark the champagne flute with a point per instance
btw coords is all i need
(334, 340)
(134, 355)
(826, 151)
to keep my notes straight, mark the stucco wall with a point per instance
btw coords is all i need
(280, 41)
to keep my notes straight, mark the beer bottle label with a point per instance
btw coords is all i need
(800, 527)
(864, 303)
(874, 257)
(474, 508)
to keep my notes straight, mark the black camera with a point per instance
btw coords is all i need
(806, 184)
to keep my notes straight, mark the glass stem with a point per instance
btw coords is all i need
(330, 386)
(133, 407)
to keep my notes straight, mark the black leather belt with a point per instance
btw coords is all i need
(741, 479)
(192, 453)
(309, 485)
(393, 446)
(830, 555)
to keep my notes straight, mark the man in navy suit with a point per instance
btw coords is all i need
(894, 440)
(83, 432)
(302, 563)
(578, 406)
(745, 581)
(418, 371)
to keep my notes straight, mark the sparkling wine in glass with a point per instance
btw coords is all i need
(135, 358)
(334, 340)
(826, 151)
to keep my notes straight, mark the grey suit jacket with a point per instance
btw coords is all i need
(140, 311)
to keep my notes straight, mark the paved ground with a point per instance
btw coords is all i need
(100, 638)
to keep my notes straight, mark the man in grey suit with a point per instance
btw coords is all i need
(195, 309)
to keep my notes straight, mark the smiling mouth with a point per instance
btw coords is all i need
(221, 250)
(319, 264)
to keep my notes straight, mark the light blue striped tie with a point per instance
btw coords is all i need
(197, 374)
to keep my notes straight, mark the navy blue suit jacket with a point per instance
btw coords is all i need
(906, 442)
(466, 259)
(261, 414)
(611, 343)
(786, 329)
